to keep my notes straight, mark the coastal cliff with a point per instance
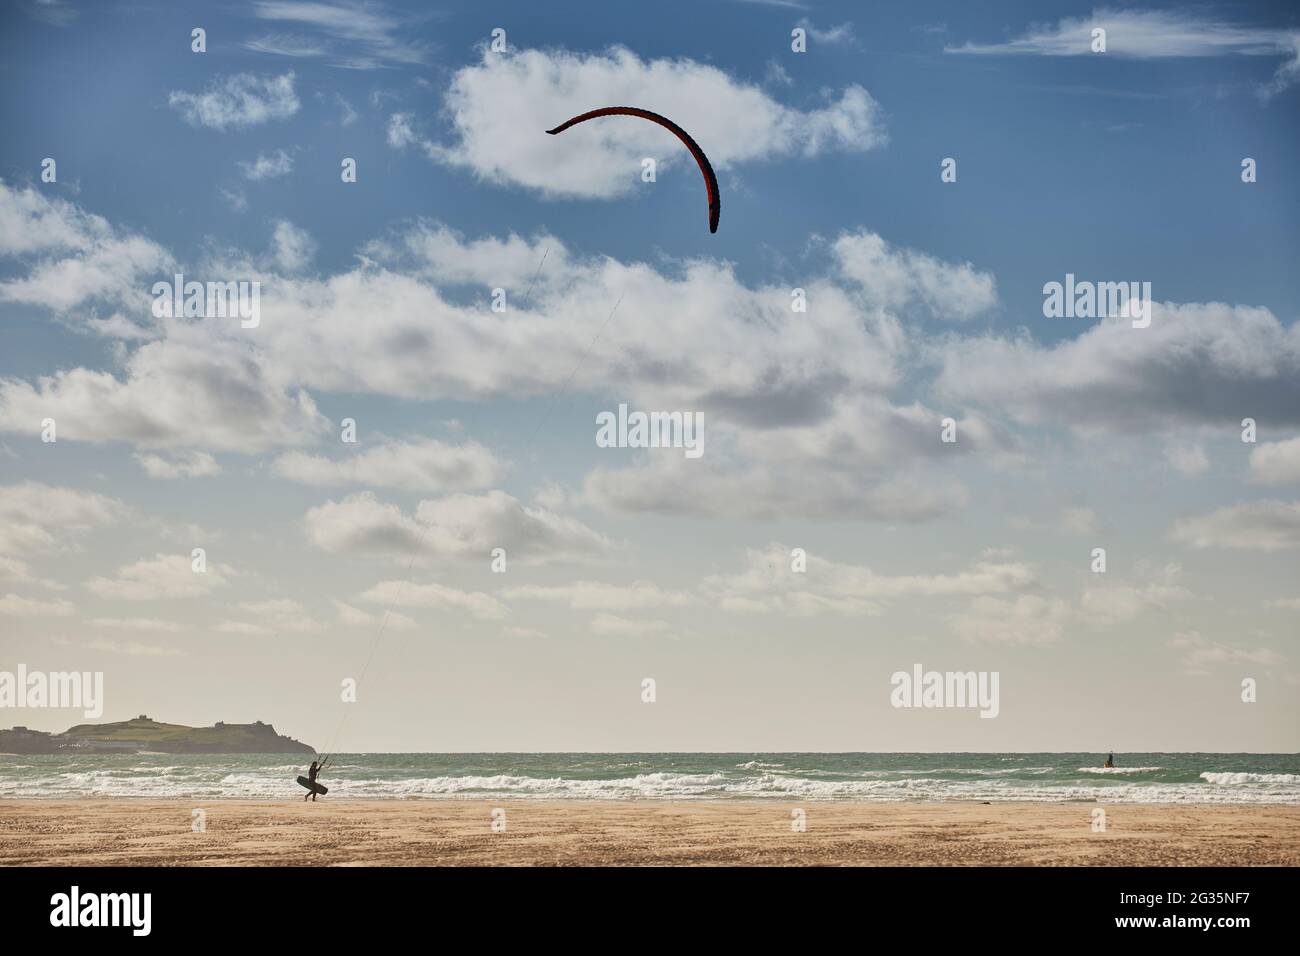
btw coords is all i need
(144, 735)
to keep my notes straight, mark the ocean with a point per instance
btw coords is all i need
(1139, 778)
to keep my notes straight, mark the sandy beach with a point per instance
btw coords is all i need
(551, 833)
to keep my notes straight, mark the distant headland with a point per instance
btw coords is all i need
(144, 735)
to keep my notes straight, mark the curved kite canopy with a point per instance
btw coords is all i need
(710, 180)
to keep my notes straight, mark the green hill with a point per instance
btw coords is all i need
(143, 734)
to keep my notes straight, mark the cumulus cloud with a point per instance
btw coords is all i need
(75, 259)
(1200, 655)
(162, 577)
(495, 105)
(459, 524)
(38, 518)
(1267, 525)
(291, 248)
(768, 584)
(425, 465)
(893, 278)
(273, 616)
(354, 617)
(238, 101)
(268, 165)
(1116, 603)
(823, 380)
(434, 595)
(190, 389)
(1199, 364)
(192, 464)
(1276, 463)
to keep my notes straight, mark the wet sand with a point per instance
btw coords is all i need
(574, 833)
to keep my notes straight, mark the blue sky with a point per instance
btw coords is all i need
(926, 301)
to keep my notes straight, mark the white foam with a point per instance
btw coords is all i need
(1227, 779)
(1119, 769)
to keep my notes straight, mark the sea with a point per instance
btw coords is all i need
(931, 777)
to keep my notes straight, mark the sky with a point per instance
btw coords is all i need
(330, 560)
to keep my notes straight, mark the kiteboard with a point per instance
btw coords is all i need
(313, 787)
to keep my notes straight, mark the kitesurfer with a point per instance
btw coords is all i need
(1110, 762)
(312, 773)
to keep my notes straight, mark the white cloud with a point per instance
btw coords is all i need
(30, 222)
(83, 260)
(434, 595)
(892, 278)
(38, 518)
(1266, 525)
(474, 524)
(457, 525)
(1116, 603)
(17, 606)
(353, 617)
(1200, 654)
(348, 115)
(191, 464)
(600, 596)
(841, 35)
(1205, 364)
(153, 624)
(235, 198)
(1146, 34)
(363, 524)
(821, 489)
(133, 648)
(189, 390)
(246, 628)
(17, 571)
(615, 626)
(768, 584)
(162, 577)
(273, 616)
(291, 248)
(776, 73)
(843, 448)
(1276, 463)
(501, 107)
(1029, 620)
(268, 165)
(425, 465)
(1156, 34)
(238, 101)
(350, 35)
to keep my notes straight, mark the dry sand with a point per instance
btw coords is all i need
(429, 832)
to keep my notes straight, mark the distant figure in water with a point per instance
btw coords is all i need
(1109, 764)
(315, 768)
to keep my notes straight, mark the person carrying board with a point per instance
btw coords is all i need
(312, 773)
